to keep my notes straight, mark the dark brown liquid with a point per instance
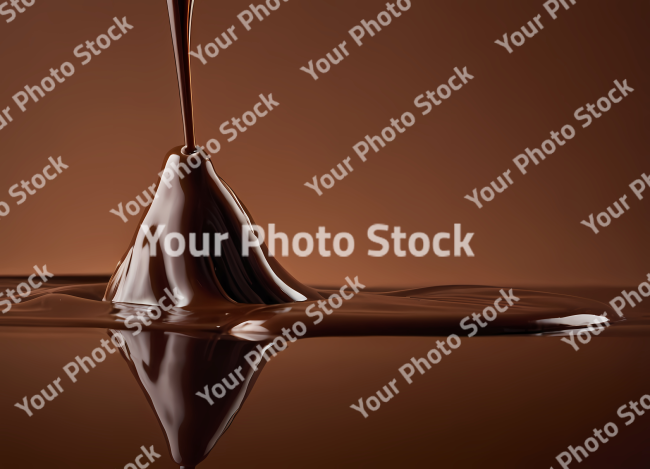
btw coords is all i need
(201, 203)
(208, 334)
(171, 368)
(434, 311)
(180, 21)
(188, 348)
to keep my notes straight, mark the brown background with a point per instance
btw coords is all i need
(114, 120)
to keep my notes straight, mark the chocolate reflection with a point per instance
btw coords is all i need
(171, 367)
(196, 381)
(175, 354)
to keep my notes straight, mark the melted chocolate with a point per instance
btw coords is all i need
(232, 303)
(180, 21)
(188, 348)
(199, 202)
(433, 311)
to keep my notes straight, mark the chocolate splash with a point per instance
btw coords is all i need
(201, 203)
(223, 310)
